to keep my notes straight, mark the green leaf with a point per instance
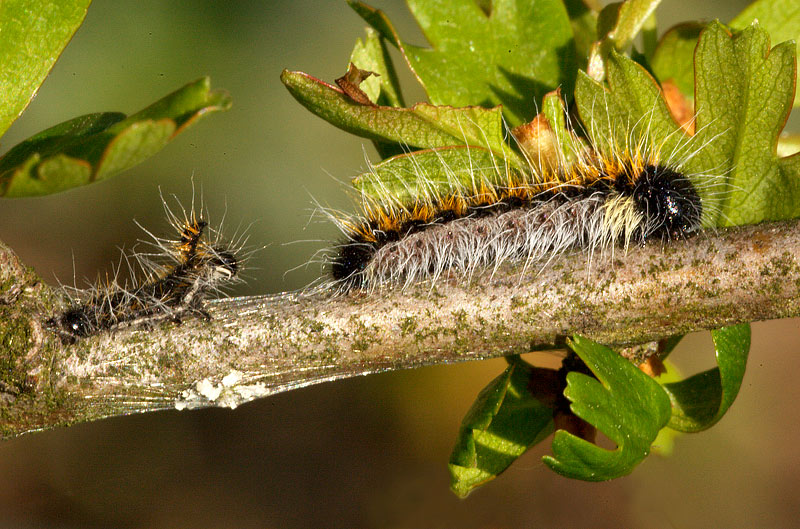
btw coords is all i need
(618, 24)
(649, 37)
(629, 18)
(554, 111)
(700, 401)
(505, 420)
(512, 56)
(34, 33)
(626, 405)
(780, 18)
(407, 177)
(675, 53)
(422, 126)
(94, 147)
(630, 110)
(674, 56)
(584, 28)
(744, 92)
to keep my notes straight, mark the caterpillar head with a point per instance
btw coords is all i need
(224, 263)
(668, 201)
(73, 323)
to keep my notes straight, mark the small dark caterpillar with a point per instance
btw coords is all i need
(597, 201)
(178, 277)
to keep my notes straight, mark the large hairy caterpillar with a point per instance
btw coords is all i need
(596, 199)
(168, 283)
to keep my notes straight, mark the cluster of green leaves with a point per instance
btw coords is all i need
(743, 93)
(88, 148)
(492, 63)
(622, 402)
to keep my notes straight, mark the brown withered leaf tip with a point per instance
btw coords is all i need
(539, 143)
(349, 83)
(680, 107)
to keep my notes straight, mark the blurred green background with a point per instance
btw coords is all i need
(368, 452)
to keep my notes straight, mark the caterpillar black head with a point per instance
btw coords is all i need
(73, 323)
(225, 264)
(668, 201)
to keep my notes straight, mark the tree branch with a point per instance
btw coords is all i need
(257, 346)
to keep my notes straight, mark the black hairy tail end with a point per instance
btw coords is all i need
(349, 263)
